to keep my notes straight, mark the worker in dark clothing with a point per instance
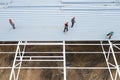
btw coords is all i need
(66, 27)
(11, 23)
(72, 21)
(110, 34)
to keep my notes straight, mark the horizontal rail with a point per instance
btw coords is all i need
(51, 44)
(41, 44)
(90, 68)
(39, 60)
(102, 68)
(40, 56)
(8, 44)
(29, 52)
(87, 44)
(58, 52)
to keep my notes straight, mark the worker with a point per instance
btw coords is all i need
(11, 23)
(110, 34)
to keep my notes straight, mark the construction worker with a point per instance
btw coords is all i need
(110, 34)
(11, 23)
(66, 27)
(72, 21)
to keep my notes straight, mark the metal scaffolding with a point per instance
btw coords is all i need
(115, 63)
(20, 57)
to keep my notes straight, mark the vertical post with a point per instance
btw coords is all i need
(64, 60)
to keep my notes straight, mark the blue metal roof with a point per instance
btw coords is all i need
(47, 24)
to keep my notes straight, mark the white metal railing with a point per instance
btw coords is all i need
(115, 60)
(15, 75)
(21, 60)
(20, 57)
(107, 58)
(12, 74)
(101, 68)
(64, 63)
(60, 52)
(55, 43)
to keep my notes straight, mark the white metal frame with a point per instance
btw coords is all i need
(19, 57)
(115, 64)
(64, 58)
(15, 75)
